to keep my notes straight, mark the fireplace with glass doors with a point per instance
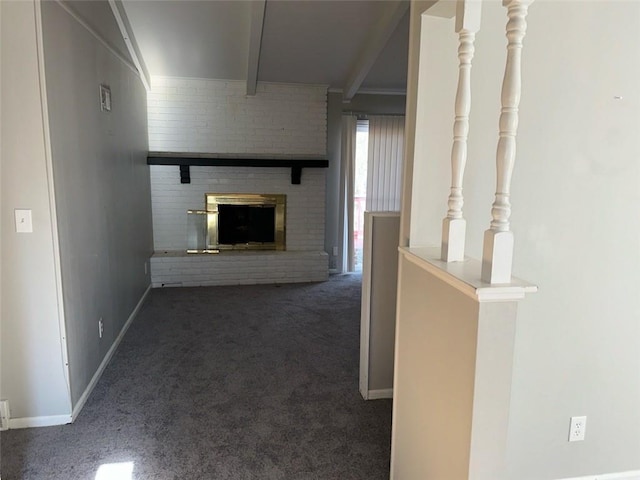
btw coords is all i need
(240, 221)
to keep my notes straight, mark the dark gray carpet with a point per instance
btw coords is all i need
(246, 382)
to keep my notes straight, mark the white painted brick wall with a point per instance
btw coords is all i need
(213, 116)
(304, 260)
(216, 116)
(170, 201)
(237, 268)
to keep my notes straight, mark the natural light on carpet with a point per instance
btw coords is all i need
(115, 471)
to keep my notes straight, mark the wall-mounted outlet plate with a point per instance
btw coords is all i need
(100, 327)
(577, 429)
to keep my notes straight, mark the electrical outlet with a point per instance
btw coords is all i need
(335, 251)
(100, 327)
(577, 429)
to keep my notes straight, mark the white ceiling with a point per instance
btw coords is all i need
(314, 41)
(390, 70)
(203, 39)
(303, 41)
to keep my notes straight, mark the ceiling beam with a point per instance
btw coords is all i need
(130, 41)
(374, 45)
(255, 41)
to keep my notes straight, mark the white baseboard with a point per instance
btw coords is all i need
(631, 475)
(4, 415)
(29, 422)
(107, 358)
(48, 421)
(378, 394)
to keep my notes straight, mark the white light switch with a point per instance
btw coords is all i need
(23, 221)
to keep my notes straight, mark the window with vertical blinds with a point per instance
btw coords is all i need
(384, 172)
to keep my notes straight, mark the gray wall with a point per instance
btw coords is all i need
(32, 363)
(381, 243)
(102, 188)
(366, 104)
(376, 104)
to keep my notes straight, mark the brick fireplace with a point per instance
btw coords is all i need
(280, 121)
(304, 259)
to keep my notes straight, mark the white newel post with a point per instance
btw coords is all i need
(454, 225)
(497, 253)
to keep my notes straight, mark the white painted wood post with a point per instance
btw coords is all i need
(497, 253)
(454, 225)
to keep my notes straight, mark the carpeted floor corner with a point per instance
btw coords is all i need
(241, 382)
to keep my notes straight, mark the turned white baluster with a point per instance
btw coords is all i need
(497, 254)
(454, 225)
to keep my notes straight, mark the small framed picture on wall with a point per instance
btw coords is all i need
(105, 98)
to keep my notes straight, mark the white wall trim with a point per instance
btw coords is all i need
(130, 41)
(255, 41)
(107, 358)
(98, 37)
(324, 86)
(465, 276)
(57, 262)
(383, 91)
(630, 475)
(4, 415)
(379, 394)
(365, 307)
(29, 422)
(372, 91)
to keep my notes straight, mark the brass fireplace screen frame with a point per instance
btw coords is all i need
(213, 200)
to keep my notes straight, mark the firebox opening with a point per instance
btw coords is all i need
(246, 224)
